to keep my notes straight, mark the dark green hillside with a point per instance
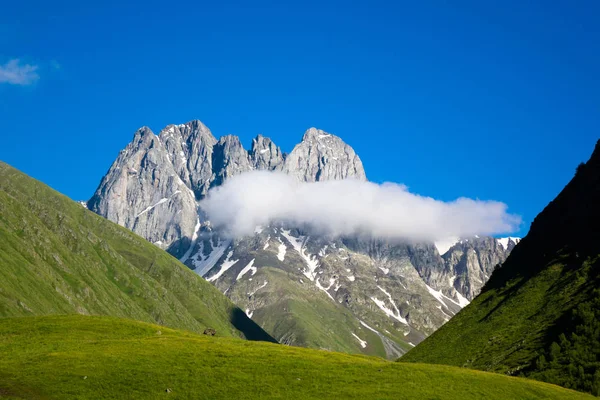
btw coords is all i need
(79, 357)
(538, 316)
(56, 257)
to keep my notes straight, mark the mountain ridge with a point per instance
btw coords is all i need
(378, 298)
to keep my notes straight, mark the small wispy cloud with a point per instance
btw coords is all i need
(16, 73)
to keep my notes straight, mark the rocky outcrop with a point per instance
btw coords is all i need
(190, 147)
(143, 192)
(265, 155)
(470, 263)
(321, 157)
(229, 159)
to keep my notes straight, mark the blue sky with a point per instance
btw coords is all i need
(493, 101)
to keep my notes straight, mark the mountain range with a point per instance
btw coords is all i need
(534, 306)
(351, 294)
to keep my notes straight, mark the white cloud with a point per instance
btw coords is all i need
(349, 207)
(16, 73)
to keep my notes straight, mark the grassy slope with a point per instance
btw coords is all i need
(312, 318)
(295, 311)
(58, 258)
(102, 357)
(505, 329)
(535, 300)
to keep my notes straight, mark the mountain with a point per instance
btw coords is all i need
(346, 294)
(538, 315)
(153, 185)
(467, 265)
(83, 357)
(56, 257)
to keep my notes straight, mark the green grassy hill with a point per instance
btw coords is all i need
(56, 257)
(539, 314)
(64, 357)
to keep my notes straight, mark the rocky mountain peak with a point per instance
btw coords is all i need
(188, 159)
(143, 137)
(229, 158)
(265, 154)
(314, 134)
(322, 156)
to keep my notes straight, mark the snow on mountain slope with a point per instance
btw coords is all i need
(318, 288)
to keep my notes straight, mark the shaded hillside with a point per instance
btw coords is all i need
(538, 314)
(56, 257)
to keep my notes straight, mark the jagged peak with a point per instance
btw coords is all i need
(143, 137)
(230, 140)
(143, 131)
(312, 134)
(194, 128)
(261, 142)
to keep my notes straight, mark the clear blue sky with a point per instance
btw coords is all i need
(486, 99)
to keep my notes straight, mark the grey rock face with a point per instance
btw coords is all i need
(190, 148)
(472, 261)
(229, 159)
(266, 155)
(143, 192)
(321, 157)
(466, 266)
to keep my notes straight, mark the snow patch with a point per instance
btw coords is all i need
(363, 343)
(247, 268)
(299, 245)
(258, 288)
(446, 316)
(323, 250)
(281, 251)
(440, 296)
(228, 263)
(368, 327)
(390, 313)
(266, 246)
(188, 252)
(325, 289)
(351, 278)
(462, 301)
(202, 263)
(161, 201)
